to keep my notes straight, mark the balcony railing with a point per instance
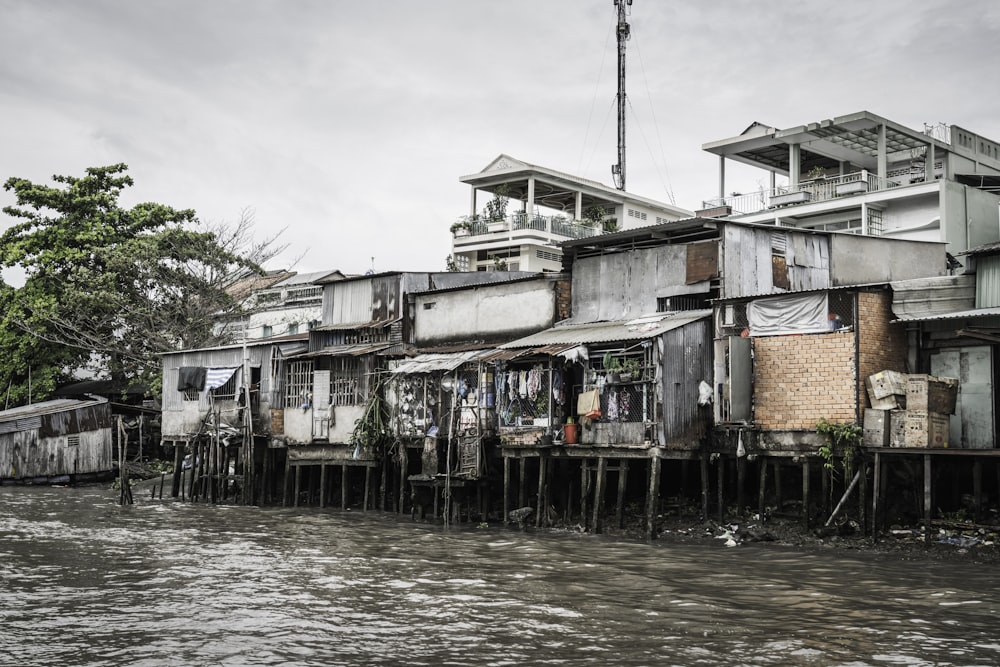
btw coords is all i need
(520, 221)
(820, 189)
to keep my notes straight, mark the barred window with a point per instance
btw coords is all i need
(298, 389)
(226, 391)
(346, 386)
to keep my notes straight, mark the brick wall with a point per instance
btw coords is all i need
(881, 345)
(799, 380)
(564, 302)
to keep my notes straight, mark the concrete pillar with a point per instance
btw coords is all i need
(794, 165)
(883, 159)
(722, 177)
(472, 201)
(529, 203)
(578, 213)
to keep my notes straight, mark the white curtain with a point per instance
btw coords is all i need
(789, 314)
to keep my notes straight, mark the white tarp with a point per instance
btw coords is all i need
(789, 314)
(216, 377)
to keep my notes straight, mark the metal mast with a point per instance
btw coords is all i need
(618, 170)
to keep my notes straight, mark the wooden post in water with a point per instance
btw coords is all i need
(404, 456)
(506, 489)
(741, 469)
(863, 496)
(805, 492)
(977, 488)
(298, 485)
(584, 491)
(522, 491)
(652, 499)
(928, 506)
(720, 489)
(175, 488)
(343, 487)
(541, 491)
(602, 468)
(876, 495)
(704, 486)
(622, 481)
(322, 484)
(762, 486)
(368, 482)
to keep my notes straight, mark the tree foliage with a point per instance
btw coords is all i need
(110, 288)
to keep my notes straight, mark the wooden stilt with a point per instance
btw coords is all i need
(977, 488)
(285, 500)
(368, 483)
(404, 457)
(298, 485)
(652, 504)
(322, 485)
(741, 471)
(876, 495)
(175, 487)
(522, 490)
(506, 490)
(622, 481)
(584, 490)
(343, 487)
(825, 481)
(762, 486)
(928, 506)
(602, 470)
(721, 487)
(539, 512)
(863, 496)
(779, 499)
(704, 486)
(805, 492)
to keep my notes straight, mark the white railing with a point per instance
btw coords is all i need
(820, 189)
(555, 225)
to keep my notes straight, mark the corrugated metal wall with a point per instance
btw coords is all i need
(750, 261)
(686, 360)
(988, 282)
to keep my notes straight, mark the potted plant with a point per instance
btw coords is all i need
(462, 227)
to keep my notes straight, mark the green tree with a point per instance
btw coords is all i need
(109, 288)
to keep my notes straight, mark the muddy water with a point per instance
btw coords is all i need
(85, 582)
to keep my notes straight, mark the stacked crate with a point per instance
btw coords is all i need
(908, 410)
(930, 402)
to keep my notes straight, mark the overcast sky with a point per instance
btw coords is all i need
(348, 124)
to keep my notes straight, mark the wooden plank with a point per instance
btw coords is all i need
(652, 499)
(506, 490)
(622, 481)
(602, 470)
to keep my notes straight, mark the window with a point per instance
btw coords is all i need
(346, 387)
(266, 331)
(226, 391)
(293, 328)
(298, 389)
(633, 213)
(670, 304)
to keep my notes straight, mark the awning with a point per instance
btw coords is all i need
(429, 363)
(564, 336)
(343, 351)
(347, 326)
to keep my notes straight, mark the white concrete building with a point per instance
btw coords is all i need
(864, 174)
(545, 207)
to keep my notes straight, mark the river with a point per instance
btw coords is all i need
(84, 581)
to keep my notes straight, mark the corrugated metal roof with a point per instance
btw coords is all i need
(933, 297)
(343, 351)
(957, 315)
(568, 335)
(45, 408)
(428, 363)
(346, 326)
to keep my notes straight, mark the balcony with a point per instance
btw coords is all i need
(521, 224)
(821, 189)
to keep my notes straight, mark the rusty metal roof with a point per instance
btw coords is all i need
(428, 363)
(570, 334)
(46, 408)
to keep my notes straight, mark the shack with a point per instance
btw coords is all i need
(55, 441)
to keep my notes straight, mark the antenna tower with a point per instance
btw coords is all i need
(618, 170)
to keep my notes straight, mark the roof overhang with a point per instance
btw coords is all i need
(564, 336)
(852, 138)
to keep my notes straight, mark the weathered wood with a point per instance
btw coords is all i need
(721, 486)
(977, 488)
(404, 456)
(540, 511)
(522, 490)
(622, 481)
(175, 488)
(805, 492)
(298, 485)
(762, 486)
(584, 490)
(343, 487)
(652, 504)
(368, 483)
(741, 469)
(322, 485)
(779, 499)
(704, 486)
(876, 495)
(506, 490)
(602, 470)
(863, 496)
(928, 506)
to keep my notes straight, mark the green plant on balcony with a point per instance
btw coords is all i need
(496, 208)
(817, 173)
(609, 225)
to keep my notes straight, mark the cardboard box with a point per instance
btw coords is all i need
(887, 383)
(887, 401)
(897, 428)
(876, 428)
(931, 394)
(927, 429)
